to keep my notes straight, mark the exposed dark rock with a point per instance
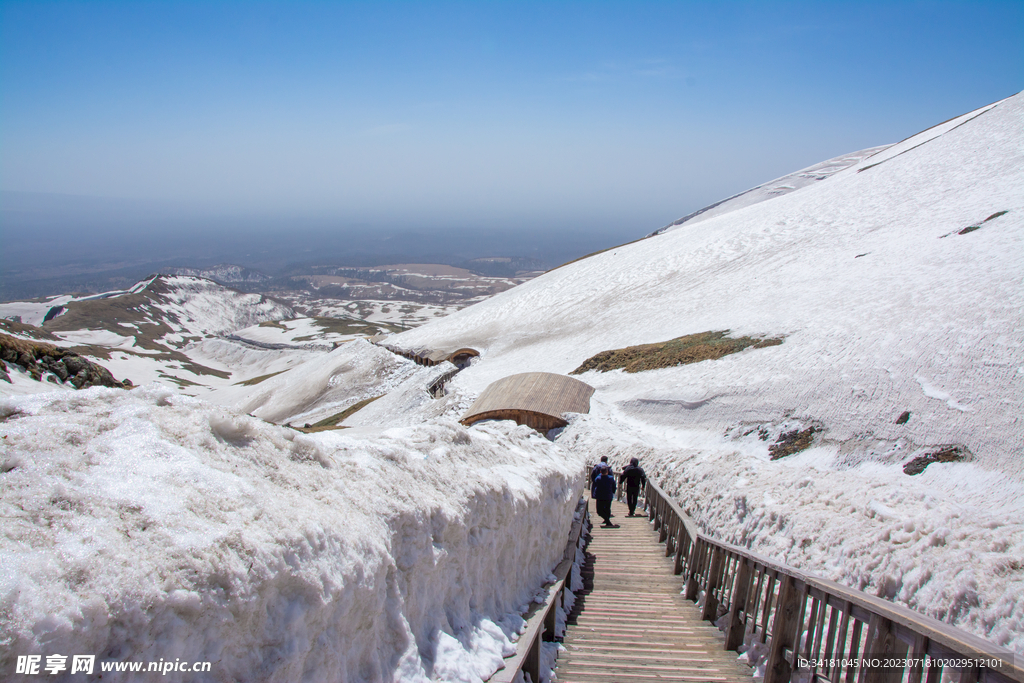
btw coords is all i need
(75, 364)
(53, 313)
(950, 453)
(903, 418)
(37, 358)
(792, 442)
(61, 370)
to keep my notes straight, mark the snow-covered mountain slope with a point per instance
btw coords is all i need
(184, 330)
(775, 188)
(176, 307)
(883, 305)
(896, 285)
(157, 330)
(821, 171)
(147, 525)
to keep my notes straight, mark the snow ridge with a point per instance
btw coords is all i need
(154, 525)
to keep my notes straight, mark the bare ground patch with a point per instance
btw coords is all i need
(692, 348)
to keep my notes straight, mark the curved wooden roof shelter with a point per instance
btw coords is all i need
(535, 399)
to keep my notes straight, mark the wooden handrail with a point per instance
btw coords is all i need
(540, 621)
(814, 626)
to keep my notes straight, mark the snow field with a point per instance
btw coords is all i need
(150, 524)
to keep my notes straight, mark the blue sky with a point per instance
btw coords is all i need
(615, 116)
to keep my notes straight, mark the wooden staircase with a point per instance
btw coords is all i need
(630, 622)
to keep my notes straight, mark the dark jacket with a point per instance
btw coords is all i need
(633, 476)
(603, 488)
(596, 471)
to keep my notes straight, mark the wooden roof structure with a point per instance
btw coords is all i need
(430, 357)
(536, 399)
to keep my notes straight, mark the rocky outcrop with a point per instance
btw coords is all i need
(57, 365)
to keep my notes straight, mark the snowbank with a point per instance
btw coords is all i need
(947, 543)
(143, 525)
(323, 385)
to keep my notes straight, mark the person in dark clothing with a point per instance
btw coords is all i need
(603, 491)
(634, 478)
(597, 469)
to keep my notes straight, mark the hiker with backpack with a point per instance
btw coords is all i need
(603, 491)
(634, 478)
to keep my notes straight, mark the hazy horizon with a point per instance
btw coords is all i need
(174, 130)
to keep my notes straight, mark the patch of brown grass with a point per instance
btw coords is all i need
(692, 348)
(15, 327)
(32, 348)
(105, 314)
(353, 326)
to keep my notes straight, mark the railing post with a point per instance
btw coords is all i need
(741, 588)
(677, 565)
(696, 550)
(917, 653)
(784, 628)
(881, 644)
(548, 633)
(531, 664)
(710, 611)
